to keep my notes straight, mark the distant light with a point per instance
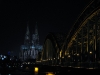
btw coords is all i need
(9, 66)
(90, 52)
(28, 62)
(36, 69)
(38, 61)
(5, 56)
(8, 52)
(1, 55)
(63, 57)
(2, 58)
(77, 54)
(69, 56)
(21, 65)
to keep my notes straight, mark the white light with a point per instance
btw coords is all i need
(5, 57)
(21, 66)
(77, 54)
(2, 58)
(28, 62)
(90, 52)
(68, 55)
(9, 66)
(1, 55)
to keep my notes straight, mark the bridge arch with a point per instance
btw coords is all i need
(83, 41)
(51, 49)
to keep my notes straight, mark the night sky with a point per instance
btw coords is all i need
(50, 15)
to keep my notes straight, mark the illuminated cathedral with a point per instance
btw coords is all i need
(31, 46)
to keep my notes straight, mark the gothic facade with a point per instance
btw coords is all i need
(31, 46)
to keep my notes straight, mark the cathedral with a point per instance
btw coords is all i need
(31, 46)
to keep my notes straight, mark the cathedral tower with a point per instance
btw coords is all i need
(35, 36)
(31, 47)
(27, 38)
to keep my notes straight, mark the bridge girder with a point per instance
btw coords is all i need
(83, 41)
(50, 50)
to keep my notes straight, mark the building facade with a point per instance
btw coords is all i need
(31, 46)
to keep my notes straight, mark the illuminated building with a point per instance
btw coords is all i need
(31, 46)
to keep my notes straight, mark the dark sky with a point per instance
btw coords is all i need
(50, 15)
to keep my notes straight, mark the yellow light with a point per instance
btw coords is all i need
(60, 53)
(50, 73)
(36, 69)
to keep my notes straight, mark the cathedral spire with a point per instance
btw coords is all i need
(35, 36)
(36, 29)
(27, 35)
(27, 32)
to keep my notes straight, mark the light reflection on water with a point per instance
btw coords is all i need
(35, 71)
(50, 73)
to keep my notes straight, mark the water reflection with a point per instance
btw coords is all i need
(43, 70)
(50, 73)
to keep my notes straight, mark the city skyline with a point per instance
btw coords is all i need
(50, 17)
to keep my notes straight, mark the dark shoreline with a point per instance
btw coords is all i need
(44, 68)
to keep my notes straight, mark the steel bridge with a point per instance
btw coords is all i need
(81, 47)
